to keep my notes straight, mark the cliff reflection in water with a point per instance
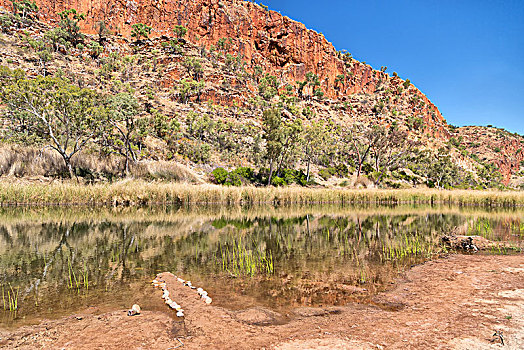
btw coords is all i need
(60, 261)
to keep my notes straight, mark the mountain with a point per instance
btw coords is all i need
(245, 56)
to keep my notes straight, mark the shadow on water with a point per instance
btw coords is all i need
(54, 262)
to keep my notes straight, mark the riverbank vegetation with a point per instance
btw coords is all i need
(127, 193)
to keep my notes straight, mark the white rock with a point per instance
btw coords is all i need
(180, 314)
(180, 280)
(208, 300)
(135, 310)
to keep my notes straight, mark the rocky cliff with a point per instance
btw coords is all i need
(281, 46)
(265, 42)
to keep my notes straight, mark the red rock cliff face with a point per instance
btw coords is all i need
(495, 146)
(283, 47)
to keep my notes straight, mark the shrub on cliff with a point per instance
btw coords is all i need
(69, 28)
(140, 30)
(180, 31)
(268, 87)
(25, 9)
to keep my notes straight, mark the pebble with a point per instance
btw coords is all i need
(135, 310)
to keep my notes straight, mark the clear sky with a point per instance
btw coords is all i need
(467, 56)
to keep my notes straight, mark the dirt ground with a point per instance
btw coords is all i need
(456, 302)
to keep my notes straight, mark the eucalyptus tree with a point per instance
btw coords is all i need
(391, 149)
(63, 116)
(272, 134)
(314, 138)
(122, 116)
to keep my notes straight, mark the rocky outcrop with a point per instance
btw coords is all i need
(281, 46)
(493, 145)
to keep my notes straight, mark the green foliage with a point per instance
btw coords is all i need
(163, 126)
(294, 176)
(415, 122)
(95, 49)
(188, 88)
(194, 67)
(268, 87)
(220, 175)
(325, 174)
(278, 181)
(6, 22)
(62, 115)
(140, 30)
(179, 31)
(102, 30)
(42, 51)
(173, 47)
(237, 177)
(224, 44)
(25, 9)
(318, 93)
(126, 131)
(339, 80)
(406, 84)
(232, 63)
(69, 30)
(245, 173)
(196, 151)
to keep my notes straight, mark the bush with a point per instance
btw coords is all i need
(246, 173)
(220, 175)
(179, 31)
(325, 174)
(140, 30)
(341, 170)
(278, 181)
(5, 23)
(294, 176)
(233, 179)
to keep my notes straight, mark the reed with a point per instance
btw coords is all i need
(141, 193)
(240, 261)
(77, 283)
(11, 302)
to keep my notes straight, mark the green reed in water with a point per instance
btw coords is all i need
(408, 247)
(240, 261)
(12, 298)
(78, 284)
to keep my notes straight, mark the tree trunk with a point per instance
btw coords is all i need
(308, 164)
(67, 162)
(270, 172)
(127, 160)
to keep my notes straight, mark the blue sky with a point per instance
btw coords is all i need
(466, 56)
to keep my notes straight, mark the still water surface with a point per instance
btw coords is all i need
(55, 262)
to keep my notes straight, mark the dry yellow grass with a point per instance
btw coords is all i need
(130, 193)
